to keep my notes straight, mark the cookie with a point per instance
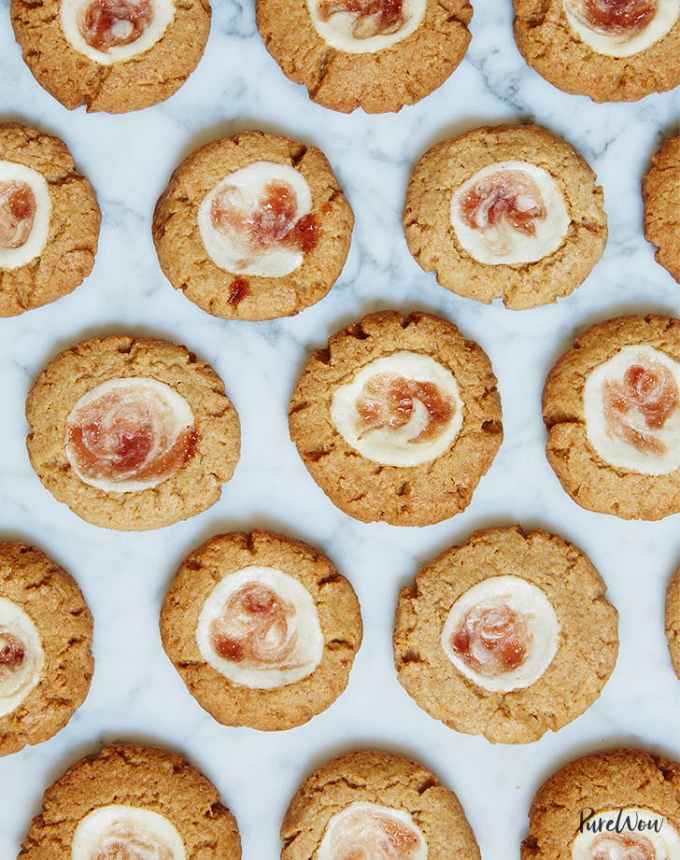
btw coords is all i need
(375, 804)
(378, 56)
(131, 433)
(624, 803)
(253, 227)
(45, 636)
(132, 801)
(673, 621)
(262, 629)
(111, 55)
(610, 51)
(508, 635)
(509, 212)
(661, 191)
(398, 418)
(611, 406)
(49, 220)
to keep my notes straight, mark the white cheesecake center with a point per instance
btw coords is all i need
(25, 211)
(621, 28)
(22, 658)
(368, 831)
(366, 26)
(625, 834)
(120, 832)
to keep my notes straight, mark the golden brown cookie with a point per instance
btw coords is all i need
(611, 406)
(262, 629)
(508, 635)
(49, 220)
(394, 54)
(111, 55)
(508, 212)
(131, 433)
(608, 51)
(673, 621)
(398, 418)
(253, 227)
(624, 803)
(358, 803)
(132, 801)
(661, 191)
(45, 636)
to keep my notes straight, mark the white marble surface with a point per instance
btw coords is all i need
(136, 694)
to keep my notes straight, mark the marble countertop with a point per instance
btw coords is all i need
(136, 694)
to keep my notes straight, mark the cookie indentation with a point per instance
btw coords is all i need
(120, 832)
(127, 435)
(21, 656)
(25, 210)
(375, 831)
(621, 28)
(366, 26)
(630, 833)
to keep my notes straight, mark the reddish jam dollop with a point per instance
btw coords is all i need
(373, 17)
(510, 197)
(239, 289)
(12, 654)
(615, 17)
(650, 391)
(620, 846)
(273, 222)
(17, 213)
(107, 24)
(255, 627)
(387, 400)
(492, 639)
(122, 436)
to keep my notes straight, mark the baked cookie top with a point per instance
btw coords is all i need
(262, 629)
(111, 55)
(508, 635)
(398, 418)
(611, 406)
(673, 620)
(140, 801)
(375, 804)
(508, 212)
(49, 220)
(45, 636)
(661, 191)
(253, 227)
(624, 803)
(610, 50)
(375, 54)
(131, 433)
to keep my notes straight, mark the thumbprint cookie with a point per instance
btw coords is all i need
(491, 639)
(262, 629)
(611, 406)
(511, 213)
(49, 220)
(111, 55)
(610, 50)
(379, 805)
(45, 636)
(618, 805)
(131, 433)
(375, 54)
(132, 802)
(253, 227)
(398, 418)
(661, 190)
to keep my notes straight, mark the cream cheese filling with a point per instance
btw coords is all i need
(24, 659)
(613, 834)
(15, 258)
(625, 44)
(119, 830)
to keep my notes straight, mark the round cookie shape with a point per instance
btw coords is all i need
(487, 638)
(262, 629)
(611, 406)
(387, 390)
(673, 621)
(507, 212)
(378, 56)
(606, 805)
(661, 192)
(376, 804)
(111, 55)
(49, 220)
(45, 636)
(131, 433)
(253, 227)
(143, 800)
(606, 49)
